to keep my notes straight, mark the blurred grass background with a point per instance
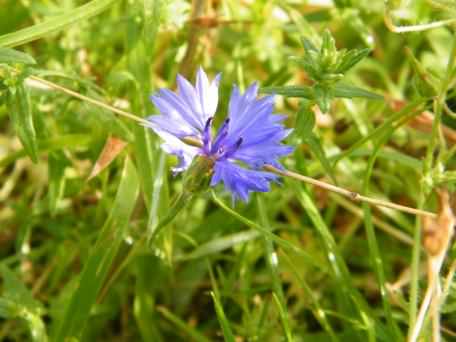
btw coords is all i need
(71, 259)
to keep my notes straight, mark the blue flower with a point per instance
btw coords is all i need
(249, 138)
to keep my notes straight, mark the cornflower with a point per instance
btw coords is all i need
(247, 140)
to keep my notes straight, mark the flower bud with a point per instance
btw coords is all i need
(198, 176)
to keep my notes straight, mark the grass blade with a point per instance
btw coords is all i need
(102, 255)
(272, 262)
(22, 118)
(55, 24)
(339, 268)
(376, 260)
(284, 318)
(180, 324)
(56, 173)
(17, 302)
(349, 91)
(281, 242)
(10, 56)
(319, 313)
(139, 42)
(227, 332)
(408, 111)
(219, 244)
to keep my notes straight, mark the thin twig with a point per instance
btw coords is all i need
(411, 28)
(89, 99)
(350, 194)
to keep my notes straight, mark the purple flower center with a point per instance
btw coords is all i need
(219, 148)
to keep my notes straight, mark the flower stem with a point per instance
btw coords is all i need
(181, 201)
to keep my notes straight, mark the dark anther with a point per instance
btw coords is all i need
(208, 123)
(239, 142)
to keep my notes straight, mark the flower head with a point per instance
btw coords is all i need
(249, 137)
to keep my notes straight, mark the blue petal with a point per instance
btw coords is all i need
(202, 99)
(240, 181)
(172, 145)
(171, 105)
(265, 154)
(189, 96)
(174, 126)
(261, 131)
(207, 93)
(183, 114)
(191, 106)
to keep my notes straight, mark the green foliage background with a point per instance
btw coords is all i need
(295, 264)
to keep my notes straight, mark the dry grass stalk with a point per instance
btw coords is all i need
(437, 234)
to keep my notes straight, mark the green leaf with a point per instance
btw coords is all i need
(328, 45)
(10, 56)
(323, 97)
(308, 45)
(57, 162)
(22, 118)
(283, 318)
(15, 291)
(182, 325)
(17, 302)
(8, 308)
(425, 83)
(227, 332)
(290, 91)
(70, 141)
(55, 24)
(220, 244)
(316, 147)
(310, 63)
(305, 123)
(351, 58)
(328, 51)
(305, 120)
(349, 91)
(101, 257)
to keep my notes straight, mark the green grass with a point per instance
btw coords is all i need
(130, 255)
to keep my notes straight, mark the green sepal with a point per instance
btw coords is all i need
(197, 178)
